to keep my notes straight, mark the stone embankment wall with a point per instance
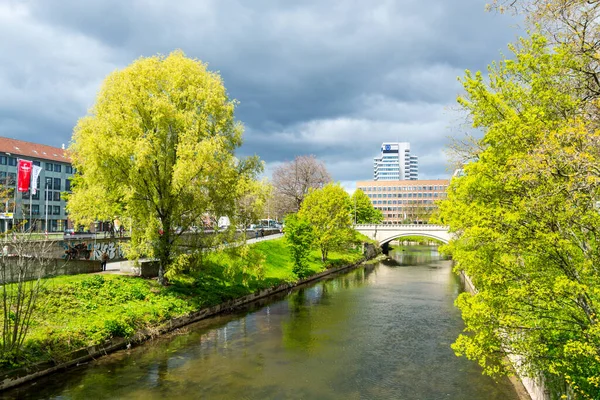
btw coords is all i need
(534, 387)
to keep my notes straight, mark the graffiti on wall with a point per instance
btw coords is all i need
(79, 251)
(92, 251)
(111, 248)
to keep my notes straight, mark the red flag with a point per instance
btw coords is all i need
(24, 175)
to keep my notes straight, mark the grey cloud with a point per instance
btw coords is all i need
(330, 78)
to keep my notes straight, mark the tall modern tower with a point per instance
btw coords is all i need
(395, 163)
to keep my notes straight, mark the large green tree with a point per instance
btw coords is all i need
(328, 211)
(157, 151)
(526, 223)
(363, 210)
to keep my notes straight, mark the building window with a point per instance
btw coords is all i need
(68, 185)
(56, 210)
(12, 161)
(57, 168)
(48, 183)
(12, 179)
(57, 184)
(35, 209)
(56, 196)
(3, 160)
(36, 163)
(49, 166)
(69, 169)
(36, 196)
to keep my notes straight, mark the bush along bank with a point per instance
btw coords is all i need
(85, 316)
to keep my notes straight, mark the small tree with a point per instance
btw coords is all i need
(328, 211)
(292, 182)
(300, 238)
(23, 263)
(364, 212)
(252, 199)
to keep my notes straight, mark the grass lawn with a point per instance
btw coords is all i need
(83, 310)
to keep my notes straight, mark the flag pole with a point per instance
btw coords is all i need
(46, 206)
(15, 192)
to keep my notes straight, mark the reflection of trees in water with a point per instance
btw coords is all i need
(297, 332)
(416, 255)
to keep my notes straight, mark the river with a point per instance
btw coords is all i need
(382, 331)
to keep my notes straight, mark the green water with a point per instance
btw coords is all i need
(378, 332)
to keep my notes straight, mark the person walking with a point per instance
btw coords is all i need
(104, 260)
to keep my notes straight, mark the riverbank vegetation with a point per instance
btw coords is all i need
(84, 310)
(525, 208)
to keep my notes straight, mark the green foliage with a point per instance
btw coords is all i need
(526, 220)
(300, 238)
(328, 211)
(363, 210)
(157, 150)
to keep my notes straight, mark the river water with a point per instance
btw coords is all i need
(378, 332)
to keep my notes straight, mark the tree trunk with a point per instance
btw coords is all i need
(164, 254)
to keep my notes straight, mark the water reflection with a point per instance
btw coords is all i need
(378, 332)
(413, 255)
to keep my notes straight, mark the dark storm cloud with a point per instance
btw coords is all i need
(330, 78)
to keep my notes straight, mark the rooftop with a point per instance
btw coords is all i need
(27, 149)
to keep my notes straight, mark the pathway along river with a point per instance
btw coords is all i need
(378, 332)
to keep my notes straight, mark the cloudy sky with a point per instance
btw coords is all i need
(334, 78)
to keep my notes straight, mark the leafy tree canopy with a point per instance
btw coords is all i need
(300, 238)
(157, 151)
(525, 216)
(328, 211)
(364, 212)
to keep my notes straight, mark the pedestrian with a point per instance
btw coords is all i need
(256, 234)
(262, 232)
(104, 259)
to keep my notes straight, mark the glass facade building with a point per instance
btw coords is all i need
(395, 163)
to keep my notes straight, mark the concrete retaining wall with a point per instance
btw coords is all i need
(49, 268)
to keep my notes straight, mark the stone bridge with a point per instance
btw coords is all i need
(386, 233)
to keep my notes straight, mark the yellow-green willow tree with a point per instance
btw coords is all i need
(157, 151)
(526, 220)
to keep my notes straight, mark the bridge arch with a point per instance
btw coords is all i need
(385, 233)
(415, 234)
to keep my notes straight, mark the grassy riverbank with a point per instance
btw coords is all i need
(84, 310)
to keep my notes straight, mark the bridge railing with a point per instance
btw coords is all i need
(424, 227)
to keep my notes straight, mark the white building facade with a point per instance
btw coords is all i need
(395, 163)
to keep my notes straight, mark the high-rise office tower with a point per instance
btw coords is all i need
(395, 163)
